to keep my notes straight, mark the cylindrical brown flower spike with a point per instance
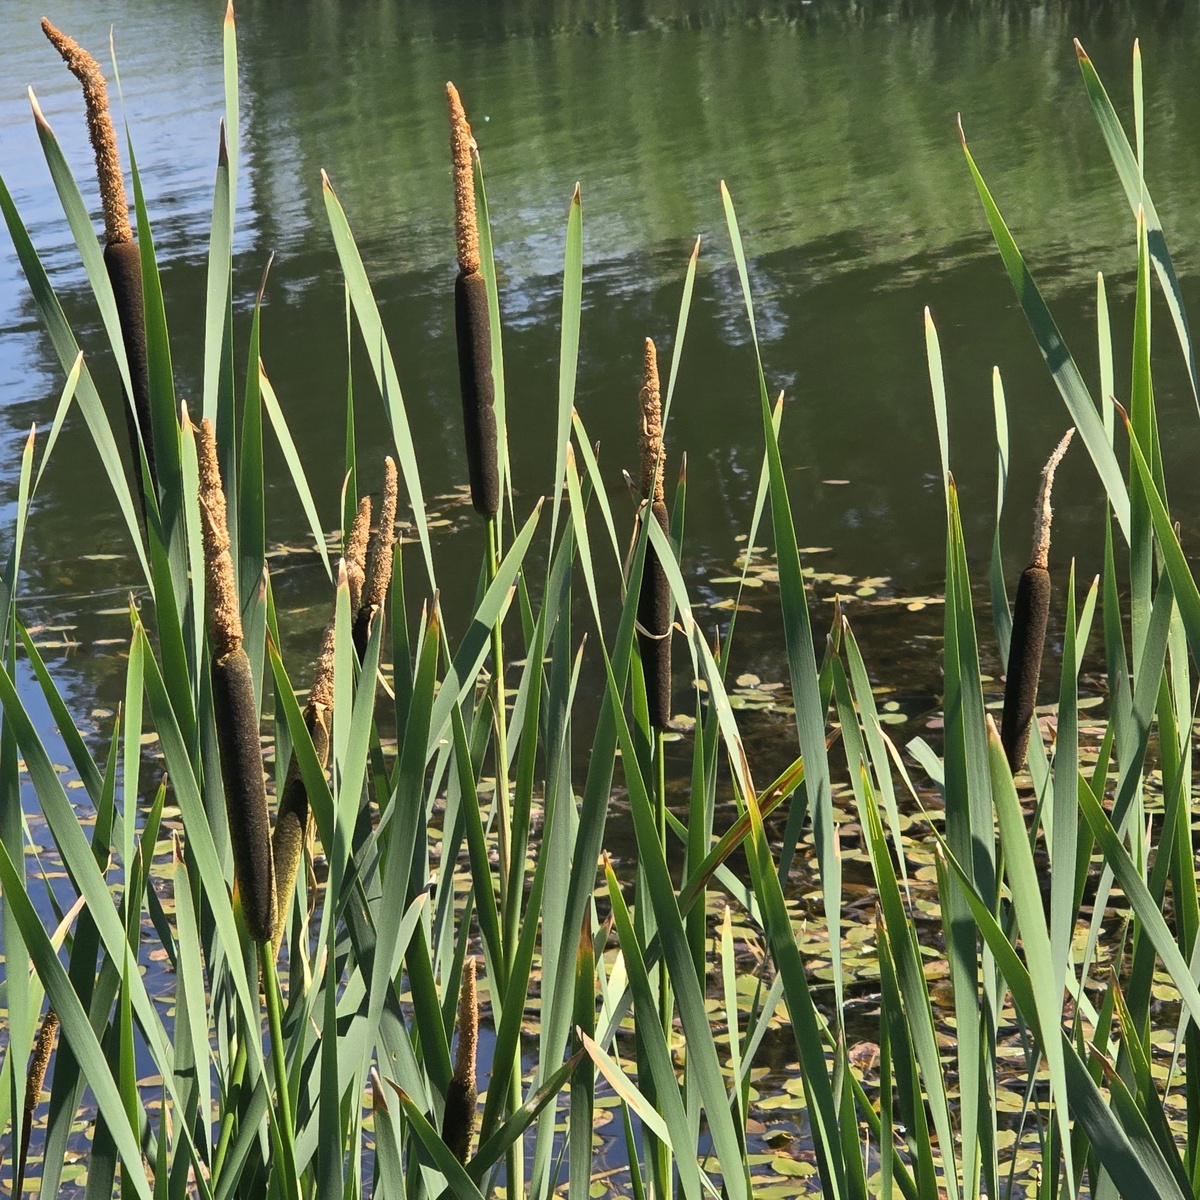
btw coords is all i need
(472, 323)
(34, 1082)
(121, 256)
(356, 552)
(379, 568)
(654, 600)
(458, 1119)
(1031, 610)
(233, 706)
(291, 821)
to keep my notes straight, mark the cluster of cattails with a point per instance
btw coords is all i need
(458, 1116)
(35, 1080)
(234, 708)
(654, 600)
(367, 581)
(1030, 612)
(472, 323)
(121, 256)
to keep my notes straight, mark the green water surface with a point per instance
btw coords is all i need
(834, 128)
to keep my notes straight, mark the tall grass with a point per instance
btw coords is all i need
(333, 1039)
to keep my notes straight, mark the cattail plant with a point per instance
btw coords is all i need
(654, 601)
(379, 567)
(234, 708)
(1030, 612)
(472, 323)
(458, 1118)
(34, 1081)
(292, 820)
(121, 257)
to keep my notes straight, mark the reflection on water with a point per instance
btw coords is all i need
(834, 127)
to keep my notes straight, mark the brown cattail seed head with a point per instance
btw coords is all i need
(1040, 556)
(458, 1118)
(40, 1062)
(321, 695)
(468, 1026)
(652, 453)
(100, 129)
(473, 332)
(379, 568)
(462, 144)
(1031, 613)
(237, 725)
(224, 619)
(356, 552)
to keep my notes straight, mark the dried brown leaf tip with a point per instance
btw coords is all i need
(462, 145)
(224, 619)
(652, 453)
(100, 129)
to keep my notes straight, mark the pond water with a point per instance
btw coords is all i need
(834, 127)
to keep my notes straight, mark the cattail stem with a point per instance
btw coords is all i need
(122, 260)
(472, 322)
(500, 706)
(234, 709)
(1031, 611)
(511, 889)
(231, 1109)
(459, 1114)
(34, 1081)
(283, 1105)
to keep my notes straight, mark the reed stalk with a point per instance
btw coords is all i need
(122, 260)
(283, 1105)
(1031, 610)
(473, 333)
(654, 646)
(234, 710)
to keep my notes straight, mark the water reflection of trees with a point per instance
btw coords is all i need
(817, 135)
